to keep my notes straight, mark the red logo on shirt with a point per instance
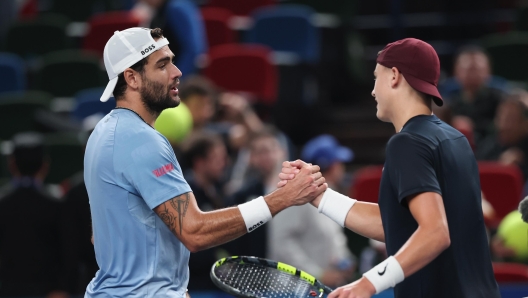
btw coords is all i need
(163, 170)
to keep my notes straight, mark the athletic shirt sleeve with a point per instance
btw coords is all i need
(410, 162)
(155, 173)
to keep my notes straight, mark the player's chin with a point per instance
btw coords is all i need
(175, 100)
(381, 116)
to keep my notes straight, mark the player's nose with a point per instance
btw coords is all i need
(176, 73)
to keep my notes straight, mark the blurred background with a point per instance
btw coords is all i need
(263, 81)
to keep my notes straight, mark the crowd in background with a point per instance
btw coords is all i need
(230, 150)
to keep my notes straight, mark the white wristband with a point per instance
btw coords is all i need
(335, 206)
(385, 275)
(255, 213)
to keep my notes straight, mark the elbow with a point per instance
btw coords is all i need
(195, 243)
(444, 240)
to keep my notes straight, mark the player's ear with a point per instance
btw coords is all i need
(396, 77)
(132, 78)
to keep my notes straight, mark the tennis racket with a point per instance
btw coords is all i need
(253, 277)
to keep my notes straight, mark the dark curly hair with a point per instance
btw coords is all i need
(121, 85)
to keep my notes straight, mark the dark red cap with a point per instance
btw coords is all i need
(417, 61)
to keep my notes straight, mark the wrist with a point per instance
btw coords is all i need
(255, 213)
(335, 206)
(275, 203)
(368, 285)
(385, 275)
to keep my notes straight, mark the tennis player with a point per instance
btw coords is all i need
(145, 217)
(429, 212)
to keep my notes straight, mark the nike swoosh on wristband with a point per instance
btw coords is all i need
(384, 269)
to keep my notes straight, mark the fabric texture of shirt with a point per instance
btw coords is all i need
(129, 169)
(431, 156)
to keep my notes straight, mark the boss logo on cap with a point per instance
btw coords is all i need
(150, 48)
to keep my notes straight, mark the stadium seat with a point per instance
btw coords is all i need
(186, 22)
(244, 68)
(507, 52)
(510, 272)
(366, 184)
(102, 27)
(342, 8)
(240, 8)
(17, 113)
(502, 186)
(288, 29)
(47, 34)
(64, 73)
(87, 103)
(80, 11)
(66, 152)
(216, 22)
(12, 73)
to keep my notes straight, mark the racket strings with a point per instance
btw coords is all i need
(263, 281)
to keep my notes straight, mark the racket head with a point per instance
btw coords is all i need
(253, 277)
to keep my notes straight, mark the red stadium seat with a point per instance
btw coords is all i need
(240, 8)
(217, 26)
(366, 184)
(510, 272)
(502, 187)
(244, 68)
(102, 27)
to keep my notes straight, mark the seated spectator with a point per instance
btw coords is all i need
(206, 154)
(509, 142)
(31, 236)
(472, 100)
(302, 237)
(264, 164)
(199, 95)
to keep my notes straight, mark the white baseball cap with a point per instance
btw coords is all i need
(124, 49)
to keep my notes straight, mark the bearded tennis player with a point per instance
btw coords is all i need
(429, 210)
(145, 217)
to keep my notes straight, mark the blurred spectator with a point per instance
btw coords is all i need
(265, 158)
(79, 258)
(302, 237)
(473, 98)
(207, 156)
(80, 263)
(31, 235)
(228, 114)
(328, 154)
(153, 14)
(198, 94)
(509, 143)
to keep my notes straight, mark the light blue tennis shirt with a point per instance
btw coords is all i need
(129, 169)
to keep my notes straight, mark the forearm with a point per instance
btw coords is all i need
(365, 219)
(215, 228)
(422, 247)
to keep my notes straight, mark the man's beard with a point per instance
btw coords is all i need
(156, 97)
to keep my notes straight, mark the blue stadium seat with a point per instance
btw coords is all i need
(287, 28)
(12, 76)
(87, 103)
(186, 22)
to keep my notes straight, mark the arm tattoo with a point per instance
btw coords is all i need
(180, 204)
(167, 218)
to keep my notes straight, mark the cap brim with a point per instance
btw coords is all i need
(344, 154)
(109, 90)
(425, 87)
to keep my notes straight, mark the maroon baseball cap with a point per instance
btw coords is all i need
(417, 61)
